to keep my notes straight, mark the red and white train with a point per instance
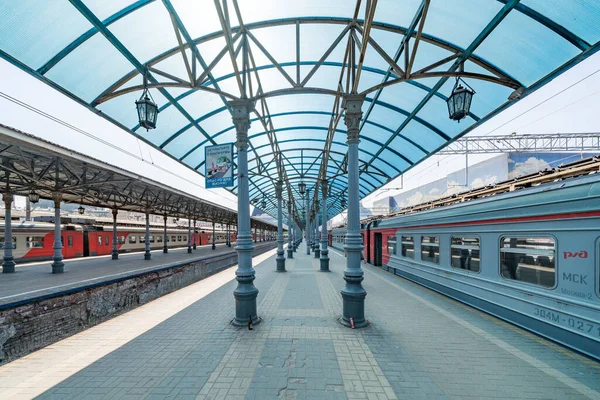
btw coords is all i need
(33, 241)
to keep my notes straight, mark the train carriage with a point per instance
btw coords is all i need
(529, 256)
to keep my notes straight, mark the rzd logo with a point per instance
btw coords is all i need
(581, 254)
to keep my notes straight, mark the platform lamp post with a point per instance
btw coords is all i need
(245, 293)
(8, 261)
(324, 250)
(353, 293)
(280, 259)
(58, 267)
(115, 248)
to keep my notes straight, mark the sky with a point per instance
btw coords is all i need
(567, 104)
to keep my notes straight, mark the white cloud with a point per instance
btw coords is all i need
(532, 164)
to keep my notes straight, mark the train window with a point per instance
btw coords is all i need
(106, 240)
(120, 239)
(530, 260)
(464, 253)
(142, 239)
(34, 242)
(14, 242)
(391, 245)
(173, 238)
(99, 240)
(132, 239)
(408, 246)
(430, 249)
(159, 239)
(70, 241)
(151, 239)
(179, 238)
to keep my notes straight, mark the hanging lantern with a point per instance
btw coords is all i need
(146, 108)
(302, 188)
(81, 210)
(33, 197)
(343, 203)
(459, 101)
(263, 204)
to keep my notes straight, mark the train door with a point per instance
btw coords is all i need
(378, 250)
(86, 244)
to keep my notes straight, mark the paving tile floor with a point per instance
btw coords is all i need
(419, 345)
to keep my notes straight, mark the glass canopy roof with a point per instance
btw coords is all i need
(297, 60)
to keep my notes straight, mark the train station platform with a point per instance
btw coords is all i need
(35, 280)
(419, 345)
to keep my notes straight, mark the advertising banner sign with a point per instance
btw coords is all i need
(219, 166)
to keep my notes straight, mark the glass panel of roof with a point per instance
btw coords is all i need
(435, 112)
(279, 41)
(175, 66)
(579, 17)
(192, 12)
(200, 103)
(388, 41)
(386, 117)
(402, 95)
(368, 145)
(33, 31)
(326, 77)
(407, 149)
(146, 40)
(276, 9)
(310, 102)
(315, 40)
(422, 135)
(271, 79)
(534, 50)
(393, 12)
(450, 20)
(105, 8)
(428, 54)
(369, 78)
(210, 49)
(91, 68)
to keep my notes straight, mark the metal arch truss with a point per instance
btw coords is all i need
(34, 164)
(240, 42)
(525, 143)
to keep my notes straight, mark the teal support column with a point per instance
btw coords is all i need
(147, 254)
(308, 222)
(194, 234)
(317, 240)
(324, 238)
(189, 241)
(353, 293)
(214, 246)
(115, 248)
(280, 259)
(291, 232)
(245, 293)
(165, 237)
(58, 267)
(8, 261)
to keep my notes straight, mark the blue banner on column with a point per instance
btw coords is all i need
(218, 166)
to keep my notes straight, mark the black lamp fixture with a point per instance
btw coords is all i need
(263, 204)
(81, 210)
(146, 108)
(459, 102)
(33, 197)
(343, 203)
(302, 188)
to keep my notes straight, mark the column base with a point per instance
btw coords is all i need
(317, 253)
(290, 252)
(147, 255)
(165, 250)
(214, 246)
(194, 247)
(353, 299)
(324, 264)
(58, 267)
(8, 266)
(115, 255)
(245, 305)
(280, 264)
(189, 250)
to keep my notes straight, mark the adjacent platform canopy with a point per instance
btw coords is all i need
(297, 60)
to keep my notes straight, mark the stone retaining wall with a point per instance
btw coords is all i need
(28, 327)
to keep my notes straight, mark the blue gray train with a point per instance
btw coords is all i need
(526, 251)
